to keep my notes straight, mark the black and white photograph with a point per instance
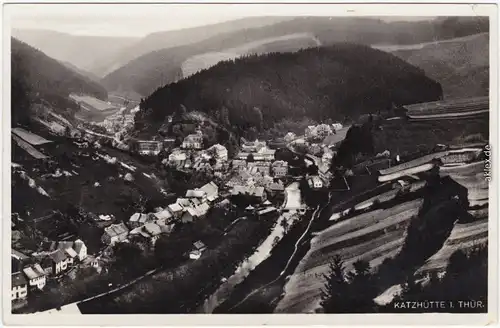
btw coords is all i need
(237, 159)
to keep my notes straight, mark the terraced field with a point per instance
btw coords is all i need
(451, 109)
(470, 176)
(371, 236)
(286, 43)
(463, 236)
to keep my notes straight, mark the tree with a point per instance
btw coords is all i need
(224, 116)
(285, 225)
(361, 268)
(168, 250)
(312, 169)
(336, 287)
(250, 158)
(125, 254)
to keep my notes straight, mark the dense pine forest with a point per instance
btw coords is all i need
(256, 92)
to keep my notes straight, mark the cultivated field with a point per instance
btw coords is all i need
(28, 148)
(405, 137)
(29, 137)
(463, 236)
(470, 176)
(91, 103)
(371, 236)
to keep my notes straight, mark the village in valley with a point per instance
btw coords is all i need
(257, 181)
(293, 180)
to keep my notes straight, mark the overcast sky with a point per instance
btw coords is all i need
(140, 20)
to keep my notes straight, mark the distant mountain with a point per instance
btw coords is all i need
(255, 92)
(148, 72)
(175, 38)
(84, 52)
(461, 65)
(35, 77)
(83, 72)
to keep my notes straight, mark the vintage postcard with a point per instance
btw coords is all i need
(249, 163)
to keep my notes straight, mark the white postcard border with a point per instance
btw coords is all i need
(260, 9)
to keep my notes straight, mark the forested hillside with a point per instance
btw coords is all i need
(461, 65)
(176, 38)
(162, 66)
(36, 77)
(255, 92)
(86, 52)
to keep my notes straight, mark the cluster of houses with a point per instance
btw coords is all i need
(151, 147)
(145, 229)
(256, 158)
(212, 159)
(118, 121)
(321, 130)
(31, 273)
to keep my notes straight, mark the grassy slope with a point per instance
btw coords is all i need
(461, 66)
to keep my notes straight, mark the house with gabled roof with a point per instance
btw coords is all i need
(251, 191)
(196, 193)
(138, 220)
(19, 286)
(80, 249)
(211, 190)
(176, 209)
(60, 261)
(147, 235)
(195, 212)
(193, 141)
(280, 168)
(198, 248)
(115, 233)
(37, 278)
(163, 215)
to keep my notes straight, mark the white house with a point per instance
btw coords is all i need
(323, 130)
(290, 136)
(19, 288)
(115, 233)
(315, 182)
(211, 190)
(177, 156)
(193, 141)
(36, 276)
(198, 248)
(280, 168)
(60, 261)
(80, 249)
(310, 131)
(220, 152)
(336, 126)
